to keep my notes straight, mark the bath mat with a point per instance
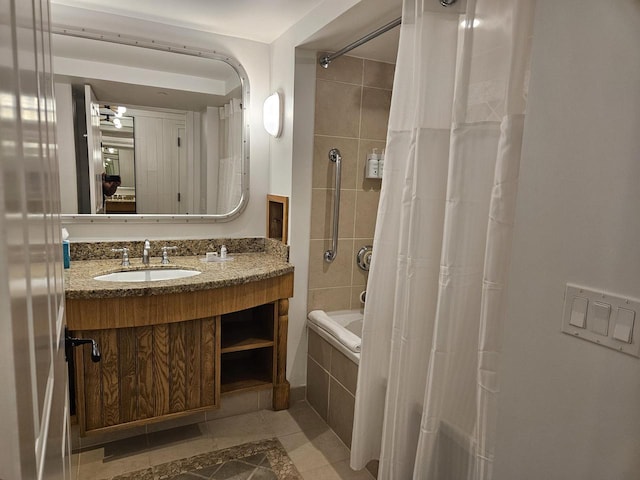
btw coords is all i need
(262, 460)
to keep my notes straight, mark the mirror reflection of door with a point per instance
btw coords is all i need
(92, 117)
(118, 158)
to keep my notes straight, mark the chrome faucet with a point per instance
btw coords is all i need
(165, 254)
(145, 252)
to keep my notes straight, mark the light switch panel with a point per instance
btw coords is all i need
(598, 318)
(602, 318)
(623, 329)
(579, 312)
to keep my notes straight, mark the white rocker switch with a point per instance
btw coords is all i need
(579, 312)
(598, 318)
(623, 330)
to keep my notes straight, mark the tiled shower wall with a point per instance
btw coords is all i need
(352, 104)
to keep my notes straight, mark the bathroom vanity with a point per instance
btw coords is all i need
(174, 347)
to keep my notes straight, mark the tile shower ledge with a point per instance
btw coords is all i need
(244, 268)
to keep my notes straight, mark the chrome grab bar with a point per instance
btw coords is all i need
(335, 157)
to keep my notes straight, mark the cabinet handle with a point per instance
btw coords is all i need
(70, 342)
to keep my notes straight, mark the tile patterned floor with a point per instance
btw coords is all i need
(314, 449)
(262, 460)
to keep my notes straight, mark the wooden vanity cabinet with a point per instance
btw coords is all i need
(166, 356)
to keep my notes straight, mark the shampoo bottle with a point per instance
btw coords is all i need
(372, 164)
(381, 164)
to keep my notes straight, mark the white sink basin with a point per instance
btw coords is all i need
(147, 275)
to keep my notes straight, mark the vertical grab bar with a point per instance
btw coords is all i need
(335, 157)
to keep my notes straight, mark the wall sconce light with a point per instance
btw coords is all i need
(272, 114)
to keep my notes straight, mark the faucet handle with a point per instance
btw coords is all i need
(165, 254)
(125, 255)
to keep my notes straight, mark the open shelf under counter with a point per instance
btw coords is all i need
(247, 369)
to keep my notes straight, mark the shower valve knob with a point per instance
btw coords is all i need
(364, 257)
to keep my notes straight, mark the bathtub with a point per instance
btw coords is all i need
(342, 329)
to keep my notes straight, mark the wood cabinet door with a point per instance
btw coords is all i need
(158, 371)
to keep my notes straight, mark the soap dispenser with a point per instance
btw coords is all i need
(66, 250)
(372, 164)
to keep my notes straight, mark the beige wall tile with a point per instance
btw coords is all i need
(355, 297)
(355, 125)
(322, 213)
(319, 350)
(335, 274)
(366, 212)
(338, 109)
(342, 69)
(365, 147)
(341, 406)
(378, 74)
(324, 170)
(329, 299)
(317, 387)
(359, 276)
(344, 370)
(375, 113)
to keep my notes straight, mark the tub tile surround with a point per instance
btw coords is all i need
(353, 98)
(331, 385)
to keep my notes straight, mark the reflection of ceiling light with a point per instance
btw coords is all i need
(467, 23)
(117, 123)
(120, 110)
(111, 150)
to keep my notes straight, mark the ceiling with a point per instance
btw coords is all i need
(259, 20)
(265, 20)
(362, 19)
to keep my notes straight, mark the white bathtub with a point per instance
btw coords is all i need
(345, 320)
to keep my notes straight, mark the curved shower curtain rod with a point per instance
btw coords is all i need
(327, 59)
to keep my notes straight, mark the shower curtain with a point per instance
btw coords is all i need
(230, 167)
(428, 379)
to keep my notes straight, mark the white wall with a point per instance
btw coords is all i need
(66, 147)
(254, 56)
(571, 409)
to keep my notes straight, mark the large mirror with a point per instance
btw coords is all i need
(158, 130)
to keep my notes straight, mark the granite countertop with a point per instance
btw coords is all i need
(244, 268)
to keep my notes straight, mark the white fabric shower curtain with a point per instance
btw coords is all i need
(428, 378)
(230, 167)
